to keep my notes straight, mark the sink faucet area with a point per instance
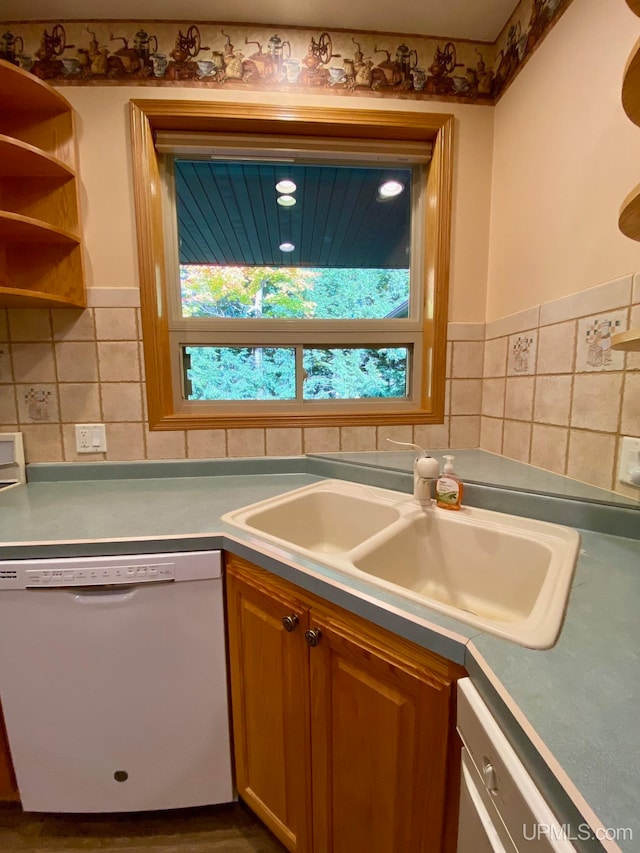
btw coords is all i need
(506, 575)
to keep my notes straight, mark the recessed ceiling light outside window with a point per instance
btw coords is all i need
(389, 189)
(286, 200)
(286, 247)
(286, 186)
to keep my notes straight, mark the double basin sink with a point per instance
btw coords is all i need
(502, 574)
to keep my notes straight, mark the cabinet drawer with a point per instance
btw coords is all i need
(520, 805)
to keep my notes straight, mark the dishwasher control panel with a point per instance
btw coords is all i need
(117, 570)
(98, 577)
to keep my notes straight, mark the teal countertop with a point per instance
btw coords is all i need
(572, 709)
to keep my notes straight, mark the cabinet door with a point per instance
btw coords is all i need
(380, 724)
(8, 787)
(270, 704)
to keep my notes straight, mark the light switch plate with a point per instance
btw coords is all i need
(629, 460)
(91, 438)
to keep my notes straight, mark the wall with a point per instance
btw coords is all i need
(565, 157)
(560, 271)
(62, 367)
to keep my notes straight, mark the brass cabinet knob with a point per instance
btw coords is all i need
(313, 636)
(290, 623)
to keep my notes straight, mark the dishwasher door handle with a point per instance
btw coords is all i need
(103, 595)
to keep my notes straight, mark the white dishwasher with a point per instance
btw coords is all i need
(113, 682)
(501, 809)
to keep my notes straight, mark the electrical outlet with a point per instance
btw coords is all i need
(91, 438)
(629, 462)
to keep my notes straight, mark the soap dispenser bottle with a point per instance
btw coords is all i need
(449, 487)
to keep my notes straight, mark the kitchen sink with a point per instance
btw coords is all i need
(506, 575)
(325, 518)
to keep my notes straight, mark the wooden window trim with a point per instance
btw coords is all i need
(148, 116)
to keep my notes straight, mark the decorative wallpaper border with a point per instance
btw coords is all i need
(233, 56)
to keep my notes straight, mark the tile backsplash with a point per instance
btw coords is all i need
(542, 386)
(555, 394)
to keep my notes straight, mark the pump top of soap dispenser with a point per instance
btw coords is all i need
(448, 464)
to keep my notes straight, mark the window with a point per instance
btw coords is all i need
(294, 278)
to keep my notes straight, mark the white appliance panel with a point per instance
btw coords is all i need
(115, 698)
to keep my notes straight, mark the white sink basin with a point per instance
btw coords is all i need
(506, 575)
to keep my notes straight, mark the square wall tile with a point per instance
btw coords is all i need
(556, 348)
(6, 370)
(495, 357)
(464, 431)
(119, 361)
(76, 362)
(593, 346)
(385, 435)
(516, 439)
(432, 436)
(636, 289)
(357, 438)
(73, 324)
(37, 403)
(42, 442)
(597, 400)
(633, 358)
(4, 325)
(553, 400)
(79, 402)
(121, 401)
(245, 442)
(549, 448)
(491, 434)
(468, 358)
(29, 324)
(166, 445)
(283, 442)
(206, 443)
(33, 362)
(521, 355)
(466, 396)
(8, 407)
(321, 439)
(116, 324)
(518, 403)
(631, 405)
(591, 457)
(493, 391)
(125, 442)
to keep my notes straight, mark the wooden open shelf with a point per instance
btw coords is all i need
(20, 159)
(631, 86)
(628, 341)
(634, 5)
(41, 259)
(629, 219)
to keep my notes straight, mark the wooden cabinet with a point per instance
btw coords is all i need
(8, 787)
(270, 702)
(41, 260)
(340, 746)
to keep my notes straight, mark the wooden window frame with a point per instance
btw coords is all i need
(149, 116)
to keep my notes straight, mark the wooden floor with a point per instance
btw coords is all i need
(216, 829)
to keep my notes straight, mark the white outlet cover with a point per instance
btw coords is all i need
(629, 459)
(91, 438)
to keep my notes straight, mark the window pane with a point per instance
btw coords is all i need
(289, 292)
(340, 248)
(240, 373)
(355, 373)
